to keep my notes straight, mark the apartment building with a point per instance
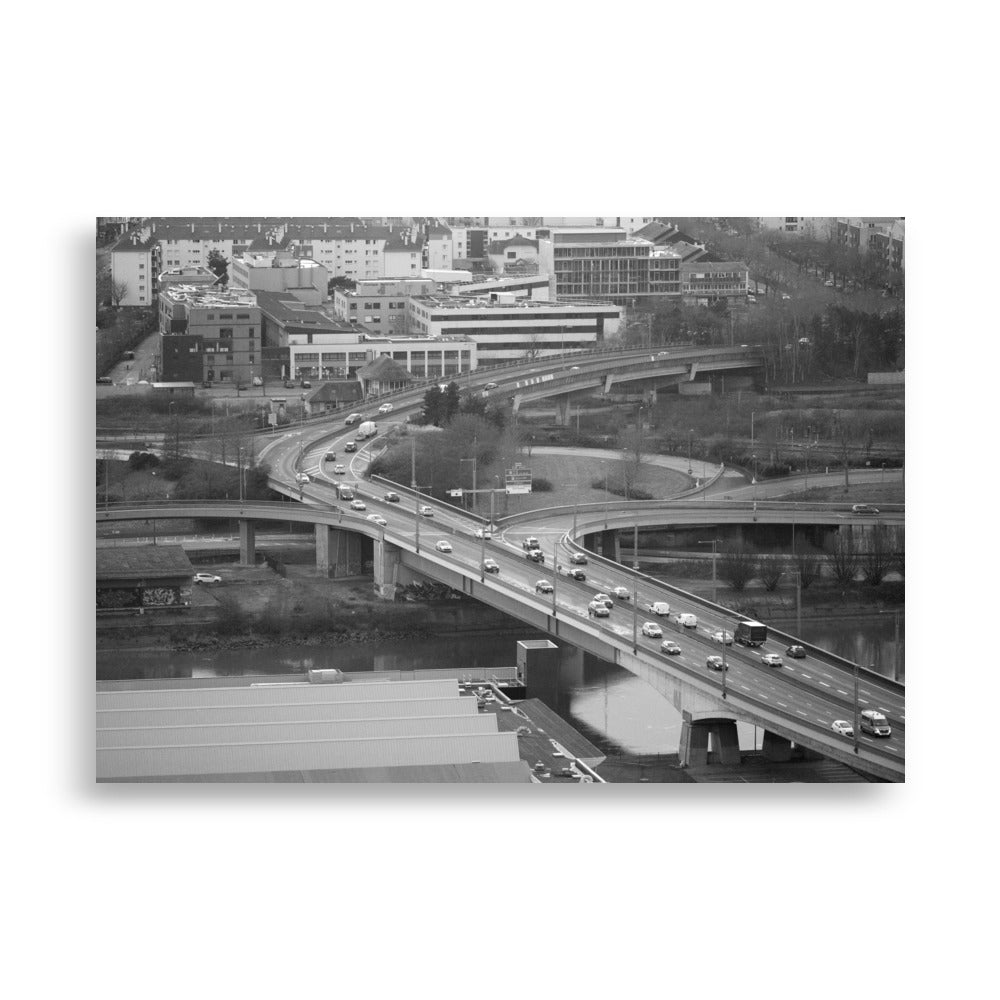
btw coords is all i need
(402, 256)
(704, 282)
(135, 265)
(882, 236)
(209, 334)
(816, 226)
(504, 328)
(516, 255)
(280, 271)
(379, 307)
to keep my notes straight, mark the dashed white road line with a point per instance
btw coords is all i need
(824, 684)
(807, 677)
(840, 691)
(803, 714)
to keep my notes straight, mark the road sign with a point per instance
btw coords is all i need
(517, 479)
(454, 493)
(517, 489)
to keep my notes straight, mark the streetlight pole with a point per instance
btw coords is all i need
(856, 717)
(690, 439)
(725, 668)
(555, 579)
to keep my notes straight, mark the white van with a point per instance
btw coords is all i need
(688, 620)
(660, 608)
(875, 723)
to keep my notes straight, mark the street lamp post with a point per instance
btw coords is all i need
(725, 668)
(555, 578)
(857, 720)
(690, 439)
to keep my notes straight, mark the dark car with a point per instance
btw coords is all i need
(105, 380)
(578, 559)
(491, 566)
(576, 574)
(795, 652)
(351, 446)
(391, 497)
(207, 384)
(240, 386)
(305, 384)
(863, 508)
(289, 384)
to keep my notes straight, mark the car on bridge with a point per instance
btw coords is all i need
(621, 593)
(378, 519)
(535, 555)
(716, 663)
(670, 647)
(687, 620)
(351, 446)
(659, 608)
(207, 578)
(426, 511)
(795, 652)
(484, 533)
(358, 505)
(842, 727)
(339, 470)
(391, 497)
(771, 660)
(105, 380)
(301, 477)
(491, 385)
(578, 559)
(531, 543)
(544, 587)
(385, 408)
(652, 630)
(599, 609)
(875, 723)
(576, 574)
(863, 508)
(725, 637)
(491, 566)
(443, 546)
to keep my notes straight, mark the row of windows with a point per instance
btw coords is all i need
(521, 331)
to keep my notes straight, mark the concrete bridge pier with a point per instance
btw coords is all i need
(338, 553)
(609, 545)
(562, 411)
(693, 750)
(776, 748)
(248, 543)
(386, 564)
(515, 404)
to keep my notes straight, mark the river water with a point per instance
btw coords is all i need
(614, 709)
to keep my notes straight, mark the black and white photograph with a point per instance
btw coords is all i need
(545, 499)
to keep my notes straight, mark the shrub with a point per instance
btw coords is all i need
(541, 485)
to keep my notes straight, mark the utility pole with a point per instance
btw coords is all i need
(856, 718)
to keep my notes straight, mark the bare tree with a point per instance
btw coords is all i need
(119, 290)
(737, 564)
(770, 571)
(808, 566)
(631, 443)
(876, 556)
(844, 558)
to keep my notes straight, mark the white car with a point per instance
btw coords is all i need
(301, 477)
(670, 647)
(426, 511)
(358, 505)
(543, 587)
(843, 728)
(443, 546)
(484, 533)
(660, 608)
(652, 630)
(385, 408)
(621, 593)
(726, 637)
(207, 578)
(338, 469)
(378, 519)
(771, 660)
(687, 620)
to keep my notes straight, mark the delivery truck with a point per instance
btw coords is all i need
(750, 634)
(367, 430)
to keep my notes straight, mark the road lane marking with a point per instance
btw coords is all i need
(824, 684)
(807, 677)
(782, 704)
(862, 700)
(803, 714)
(840, 691)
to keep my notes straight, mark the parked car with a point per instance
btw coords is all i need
(443, 546)
(829, 284)
(863, 508)
(358, 505)
(842, 727)
(652, 630)
(622, 593)
(289, 384)
(725, 637)
(535, 555)
(207, 384)
(257, 380)
(105, 380)
(795, 652)
(576, 574)
(301, 477)
(339, 469)
(305, 384)
(491, 566)
(240, 386)
(491, 385)
(207, 578)
(351, 446)
(599, 609)
(543, 587)
(771, 660)
(578, 559)
(687, 620)
(378, 519)
(716, 663)
(669, 647)
(426, 511)
(385, 408)
(391, 497)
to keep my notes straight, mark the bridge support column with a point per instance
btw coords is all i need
(338, 553)
(515, 403)
(248, 540)
(693, 750)
(776, 748)
(562, 411)
(386, 569)
(609, 545)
